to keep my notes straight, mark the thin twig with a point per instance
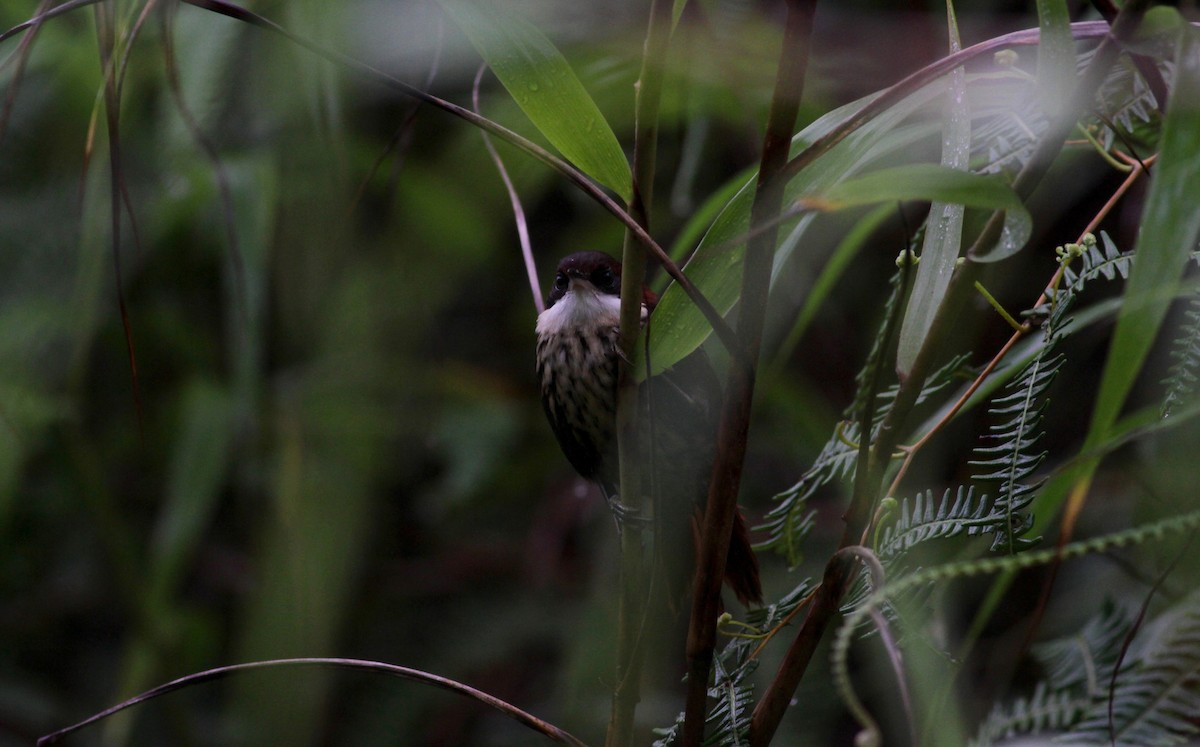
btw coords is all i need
(712, 316)
(515, 200)
(106, 38)
(924, 76)
(526, 719)
(884, 629)
(22, 58)
(45, 15)
(1132, 633)
(962, 284)
(209, 149)
(402, 135)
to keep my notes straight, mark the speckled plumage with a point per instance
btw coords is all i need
(577, 368)
(577, 354)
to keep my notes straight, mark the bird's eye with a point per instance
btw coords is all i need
(560, 281)
(605, 280)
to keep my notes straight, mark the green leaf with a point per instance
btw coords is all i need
(1157, 33)
(703, 216)
(677, 12)
(1056, 55)
(943, 233)
(894, 136)
(715, 266)
(545, 87)
(922, 181)
(198, 467)
(1170, 226)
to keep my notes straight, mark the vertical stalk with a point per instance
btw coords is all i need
(631, 614)
(739, 391)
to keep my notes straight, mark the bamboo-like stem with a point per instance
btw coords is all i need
(634, 571)
(739, 390)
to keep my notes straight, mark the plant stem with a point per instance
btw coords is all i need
(739, 391)
(926, 75)
(999, 309)
(632, 611)
(356, 665)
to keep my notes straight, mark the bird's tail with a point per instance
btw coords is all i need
(741, 566)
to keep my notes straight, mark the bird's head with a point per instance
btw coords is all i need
(586, 291)
(586, 272)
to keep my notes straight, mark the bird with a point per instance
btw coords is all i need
(577, 368)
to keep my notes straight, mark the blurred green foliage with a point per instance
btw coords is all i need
(332, 445)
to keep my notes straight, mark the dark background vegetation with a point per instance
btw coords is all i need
(333, 445)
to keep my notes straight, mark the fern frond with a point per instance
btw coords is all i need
(1156, 698)
(1179, 664)
(772, 615)
(1004, 142)
(923, 518)
(1009, 456)
(732, 693)
(873, 366)
(1010, 460)
(733, 702)
(1085, 659)
(1156, 701)
(1045, 710)
(671, 735)
(1109, 264)
(952, 371)
(789, 521)
(1183, 378)
(1126, 101)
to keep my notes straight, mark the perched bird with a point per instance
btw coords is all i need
(578, 358)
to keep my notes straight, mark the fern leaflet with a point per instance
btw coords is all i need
(1155, 702)
(923, 518)
(732, 693)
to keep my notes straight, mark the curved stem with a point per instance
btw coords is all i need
(526, 719)
(514, 200)
(636, 605)
(924, 76)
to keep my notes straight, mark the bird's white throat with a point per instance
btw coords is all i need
(580, 309)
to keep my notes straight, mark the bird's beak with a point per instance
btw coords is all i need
(578, 281)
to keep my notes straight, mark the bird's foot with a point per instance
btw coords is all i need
(627, 516)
